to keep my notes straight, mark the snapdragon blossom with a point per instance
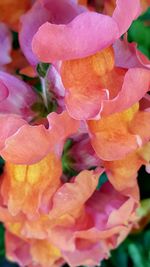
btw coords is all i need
(65, 125)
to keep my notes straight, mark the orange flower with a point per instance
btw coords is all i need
(117, 135)
(32, 252)
(123, 173)
(94, 86)
(29, 188)
(11, 10)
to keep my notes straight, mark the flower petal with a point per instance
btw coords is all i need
(37, 140)
(5, 44)
(74, 41)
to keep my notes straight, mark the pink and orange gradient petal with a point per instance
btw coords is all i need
(38, 141)
(39, 253)
(69, 200)
(95, 87)
(123, 173)
(135, 80)
(84, 80)
(111, 137)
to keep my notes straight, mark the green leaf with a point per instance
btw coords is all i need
(2, 243)
(137, 255)
(42, 69)
(139, 32)
(102, 180)
(144, 208)
(2, 162)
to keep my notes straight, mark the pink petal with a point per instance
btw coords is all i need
(54, 11)
(125, 54)
(72, 196)
(37, 140)
(89, 257)
(143, 59)
(5, 44)
(136, 84)
(76, 41)
(125, 12)
(20, 96)
(17, 249)
(3, 91)
(9, 126)
(30, 22)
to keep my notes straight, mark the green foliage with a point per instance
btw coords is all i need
(42, 69)
(103, 179)
(139, 32)
(15, 40)
(2, 246)
(134, 252)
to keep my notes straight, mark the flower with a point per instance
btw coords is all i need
(5, 45)
(60, 11)
(16, 96)
(119, 134)
(27, 252)
(81, 226)
(109, 6)
(75, 41)
(128, 56)
(95, 87)
(38, 141)
(123, 173)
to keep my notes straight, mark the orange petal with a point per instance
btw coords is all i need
(141, 125)
(11, 10)
(44, 253)
(24, 187)
(87, 81)
(111, 138)
(123, 173)
(71, 197)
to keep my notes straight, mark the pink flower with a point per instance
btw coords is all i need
(95, 87)
(16, 97)
(128, 56)
(58, 12)
(81, 154)
(74, 41)
(38, 141)
(5, 45)
(32, 253)
(82, 224)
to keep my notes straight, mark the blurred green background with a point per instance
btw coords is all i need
(135, 250)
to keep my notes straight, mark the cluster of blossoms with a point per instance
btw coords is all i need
(90, 118)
